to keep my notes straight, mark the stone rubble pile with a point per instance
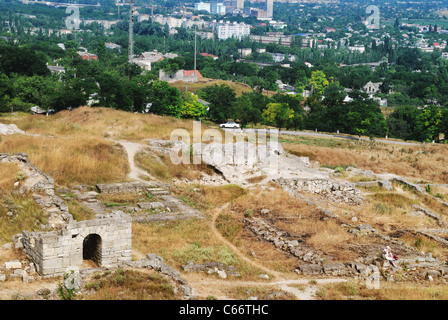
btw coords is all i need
(42, 187)
(155, 262)
(333, 190)
(416, 267)
(18, 270)
(219, 268)
(284, 241)
(129, 187)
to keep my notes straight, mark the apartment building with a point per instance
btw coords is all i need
(232, 30)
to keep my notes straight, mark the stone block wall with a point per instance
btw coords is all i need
(125, 187)
(345, 192)
(55, 251)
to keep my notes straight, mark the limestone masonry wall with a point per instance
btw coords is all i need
(55, 251)
(345, 192)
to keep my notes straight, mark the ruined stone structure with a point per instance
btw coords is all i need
(42, 187)
(36, 180)
(128, 187)
(106, 240)
(345, 192)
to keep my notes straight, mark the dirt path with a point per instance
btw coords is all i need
(207, 287)
(301, 289)
(131, 149)
(237, 251)
(287, 285)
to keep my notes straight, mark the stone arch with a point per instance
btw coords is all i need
(92, 248)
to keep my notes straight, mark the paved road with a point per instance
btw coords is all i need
(326, 135)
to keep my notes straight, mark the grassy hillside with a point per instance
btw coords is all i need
(80, 147)
(77, 147)
(238, 87)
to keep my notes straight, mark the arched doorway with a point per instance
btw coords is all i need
(91, 248)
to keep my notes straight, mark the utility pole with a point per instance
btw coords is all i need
(194, 49)
(131, 30)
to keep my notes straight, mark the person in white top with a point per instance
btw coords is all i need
(389, 256)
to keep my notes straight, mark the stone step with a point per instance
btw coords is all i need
(157, 191)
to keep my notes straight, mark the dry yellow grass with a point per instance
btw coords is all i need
(207, 198)
(424, 163)
(8, 173)
(122, 284)
(183, 241)
(81, 159)
(301, 220)
(100, 123)
(76, 146)
(161, 166)
(17, 211)
(238, 87)
(352, 290)
(390, 211)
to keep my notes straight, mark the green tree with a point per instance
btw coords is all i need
(302, 81)
(36, 90)
(164, 99)
(245, 111)
(221, 99)
(5, 92)
(443, 125)
(101, 51)
(113, 91)
(278, 114)
(428, 123)
(318, 82)
(365, 117)
(191, 107)
(22, 61)
(402, 123)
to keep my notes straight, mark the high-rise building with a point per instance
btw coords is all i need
(202, 6)
(240, 4)
(270, 8)
(232, 30)
(218, 8)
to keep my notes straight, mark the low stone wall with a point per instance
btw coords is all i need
(125, 187)
(156, 262)
(36, 180)
(345, 192)
(42, 187)
(55, 251)
(414, 267)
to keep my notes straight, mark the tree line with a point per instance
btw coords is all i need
(328, 110)
(26, 81)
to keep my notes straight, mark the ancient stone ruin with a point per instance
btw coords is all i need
(42, 187)
(242, 162)
(333, 190)
(106, 240)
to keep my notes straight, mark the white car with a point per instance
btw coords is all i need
(229, 125)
